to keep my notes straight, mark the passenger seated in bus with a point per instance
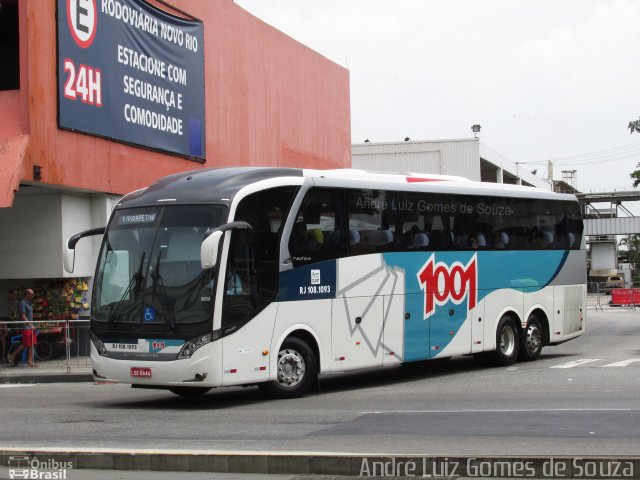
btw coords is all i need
(498, 240)
(477, 240)
(407, 237)
(462, 240)
(354, 237)
(376, 241)
(543, 239)
(420, 241)
(381, 238)
(317, 235)
(481, 240)
(504, 237)
(301, 240)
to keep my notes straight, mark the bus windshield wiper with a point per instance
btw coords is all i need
(134, 284)
(157, 282)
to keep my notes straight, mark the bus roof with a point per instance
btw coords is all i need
(220, 185)
(409, 181)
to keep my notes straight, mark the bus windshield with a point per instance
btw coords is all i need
(149, 268)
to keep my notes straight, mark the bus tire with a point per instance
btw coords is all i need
(297, 370)
(189, 391)
(532, 340)
(507, 342)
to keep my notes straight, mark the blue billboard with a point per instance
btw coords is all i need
(131, 72)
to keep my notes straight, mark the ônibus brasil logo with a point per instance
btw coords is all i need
(443, 283)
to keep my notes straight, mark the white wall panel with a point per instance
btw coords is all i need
(448, 157)
(459, 157)
(612, 226)
(34, 229)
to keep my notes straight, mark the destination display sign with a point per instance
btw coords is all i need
(131, 72)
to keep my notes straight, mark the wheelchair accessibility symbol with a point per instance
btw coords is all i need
(149, 314)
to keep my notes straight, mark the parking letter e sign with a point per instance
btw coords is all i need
(82, 17)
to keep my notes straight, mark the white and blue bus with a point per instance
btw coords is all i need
(271, 276)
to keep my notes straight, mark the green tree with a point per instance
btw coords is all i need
(636, 176)
(634, 126)
(633, 244)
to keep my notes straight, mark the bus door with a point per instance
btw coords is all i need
(250, 285)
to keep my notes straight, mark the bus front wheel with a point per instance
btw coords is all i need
(297, 370)
(507, 342)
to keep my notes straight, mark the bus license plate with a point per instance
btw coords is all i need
(141, 372)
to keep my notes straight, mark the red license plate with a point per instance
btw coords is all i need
(141, 372)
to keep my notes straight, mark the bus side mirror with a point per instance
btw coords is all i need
(209, 250)
(69, 259)
(211, 245)
(69, 252)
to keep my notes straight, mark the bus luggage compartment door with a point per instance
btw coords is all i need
(357, 331)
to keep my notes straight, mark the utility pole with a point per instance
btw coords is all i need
(550, 175)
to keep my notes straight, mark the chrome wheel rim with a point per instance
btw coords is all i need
(534, 339)
(291, 368)
(507, 341)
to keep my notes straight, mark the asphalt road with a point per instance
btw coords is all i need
(579, 398)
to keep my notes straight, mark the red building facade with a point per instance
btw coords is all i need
(268, 101)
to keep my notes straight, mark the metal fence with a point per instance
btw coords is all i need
(597, 296)
(604, 294)
(61, 345)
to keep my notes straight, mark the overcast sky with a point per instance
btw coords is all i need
(546, 79)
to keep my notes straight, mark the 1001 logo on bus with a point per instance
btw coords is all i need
(443, 283)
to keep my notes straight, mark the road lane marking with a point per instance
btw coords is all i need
(623, 363)
(576, 363)
(501, 410)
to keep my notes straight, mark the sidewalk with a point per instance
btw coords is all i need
(78, 369)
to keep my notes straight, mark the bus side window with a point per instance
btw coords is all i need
(574, 227)
(318, 233)
(372, 221)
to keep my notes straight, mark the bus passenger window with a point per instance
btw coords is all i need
(372, 214)
(574, 227)
(318, 233)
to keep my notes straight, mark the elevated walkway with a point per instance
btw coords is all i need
(612, 226)
(607, 221)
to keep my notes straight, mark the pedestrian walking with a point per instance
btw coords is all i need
(25, 314)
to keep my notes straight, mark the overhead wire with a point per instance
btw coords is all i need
(609, 155)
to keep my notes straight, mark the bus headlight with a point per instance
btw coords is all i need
(102, 350)
(189, 348)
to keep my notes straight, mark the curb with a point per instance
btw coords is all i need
(317, 463)
(45, 377)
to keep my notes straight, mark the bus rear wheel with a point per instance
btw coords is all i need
(297, 370)
(507, 342)
(532, 341)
